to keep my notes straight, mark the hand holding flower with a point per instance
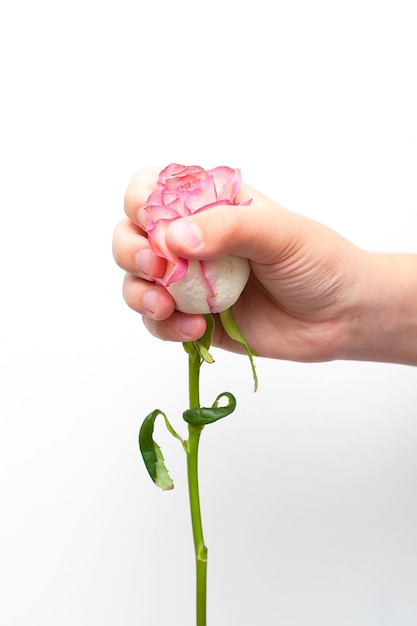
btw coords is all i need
(311, 295)
(299, 298)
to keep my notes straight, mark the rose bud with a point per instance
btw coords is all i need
(196, 286)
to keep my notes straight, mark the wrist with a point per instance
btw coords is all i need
(383, 323)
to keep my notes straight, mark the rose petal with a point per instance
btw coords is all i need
(176, 175)
(201, 286)
(227, 181)
(177, 272)
(200, 196)
(213, 290)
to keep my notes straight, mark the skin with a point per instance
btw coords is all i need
(311, 296)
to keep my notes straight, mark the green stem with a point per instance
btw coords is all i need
(193, 490)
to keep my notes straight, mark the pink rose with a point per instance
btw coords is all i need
(196, 286)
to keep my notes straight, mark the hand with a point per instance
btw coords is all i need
(311, 295)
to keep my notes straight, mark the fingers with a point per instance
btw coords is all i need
(260, 232)
(140, 187)
(147, 298)
(132, 253)
(158, 310)
(178, 327)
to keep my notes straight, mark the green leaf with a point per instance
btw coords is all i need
(152, 454)
(204, 353)
(205, 340)
(234, 333)
(190, 347)
(207, 415)
(201, 346)
(162, 479)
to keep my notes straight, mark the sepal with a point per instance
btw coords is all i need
(201, 346)
(232, 329)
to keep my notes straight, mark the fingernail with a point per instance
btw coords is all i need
(186, 232)
(144, 261)
(149, 300)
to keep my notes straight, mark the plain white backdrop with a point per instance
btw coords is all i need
(309, 489)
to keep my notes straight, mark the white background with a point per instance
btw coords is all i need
(310, 489)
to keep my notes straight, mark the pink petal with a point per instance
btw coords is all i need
(227, 181)
(156, 213)
(171, 170)
(178, 271)
(204, 193)
(157, 241)
(180, 175)
(216, 203)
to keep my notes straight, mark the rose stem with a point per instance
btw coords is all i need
(194, 432)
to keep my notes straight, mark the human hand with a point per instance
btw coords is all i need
(311, 295)
(298, 302)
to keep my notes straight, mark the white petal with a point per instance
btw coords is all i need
(227, 276)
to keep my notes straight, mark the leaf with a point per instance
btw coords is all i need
(190, 347)
(204, 353)
(205, 340)
(234, 333)
(162, 479)
(207, 415)
(152, 454)
(201, 346)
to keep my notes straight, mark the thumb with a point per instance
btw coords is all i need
(260, 232)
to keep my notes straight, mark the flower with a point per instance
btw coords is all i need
(197, 286)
